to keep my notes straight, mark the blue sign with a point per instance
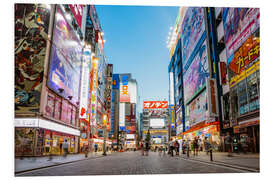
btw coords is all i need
(116, 81)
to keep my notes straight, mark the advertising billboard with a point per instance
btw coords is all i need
(94, 17)
(124, 88)
(155, 105)
(245, 59)
(130, 136)
(194, 77)
(85, 79)
(171, 82)
(197, 109)
(239, 24)
(77, 11)
(193, 26)
(65, 63)
(212, 97)
(122, 116)
(157, 123)
(93, 89)
(116, 81)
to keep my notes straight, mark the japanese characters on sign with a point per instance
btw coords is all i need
(155, 104)
(124, 90)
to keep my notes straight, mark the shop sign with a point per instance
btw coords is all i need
(212, 97)
(249, 123)
(124, 90)
(27, 122)
(94, 69)
(155, 104)
(116, 81)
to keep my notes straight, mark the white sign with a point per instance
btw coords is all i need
(130, 136)
(85, 85)
(26, 122)
(171, 89)
(157, 123)
(122, 115)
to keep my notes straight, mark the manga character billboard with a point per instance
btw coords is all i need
(239, 24)
(192, 28)
(65, 62)
(194, 77)
(31, 34)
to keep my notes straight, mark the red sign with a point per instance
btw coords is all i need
(155, 104)
(77, 11)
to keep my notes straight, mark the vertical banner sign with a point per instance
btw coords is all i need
(122, 116)
(212, 97)
(94, 90)
(77, 11)
(172, 115)
(171, 89)
(85, 85)
(124, 91)
(116, 81)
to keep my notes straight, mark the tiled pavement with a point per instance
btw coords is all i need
(134, 163)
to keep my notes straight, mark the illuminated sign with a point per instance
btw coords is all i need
(172, 115)
(212, 97)
(85, 85)
(155, 104)
(124, 91)
(122, 116)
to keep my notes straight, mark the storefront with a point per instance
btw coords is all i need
(38, 137)
(203, 130)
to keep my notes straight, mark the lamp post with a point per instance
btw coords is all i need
(105, 134)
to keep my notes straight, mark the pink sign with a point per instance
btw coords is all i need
(77, 11)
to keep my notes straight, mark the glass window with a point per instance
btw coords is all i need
(57, 108)
(234, 103)
(226, 106)
(253, 92)
(242, 94)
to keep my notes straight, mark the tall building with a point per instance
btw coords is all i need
(211, 64)
(47, 80)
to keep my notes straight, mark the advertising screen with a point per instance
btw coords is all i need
(239, 24)
(65, 63)
(157, 123)
(194, 77)
(244, 59)
(130, 136)
(124, 88)
(198, 109)
(192, 28)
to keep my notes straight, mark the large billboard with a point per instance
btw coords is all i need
(30, 40)
(239, 24)
(124, 88)
(245, 59)
(116, 81)
(77, 11)
(65, 64)
(197, 109)
(195, 77)
(193, 26)
(171, 82)
(155, 105)
(157, 123)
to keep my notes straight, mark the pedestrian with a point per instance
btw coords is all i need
(147, 147)
(195, 146)
(184, 147)
(61, 148)
(171, 147)
(176, 147)
(142, 146)
(160, 149)
(86, 150)
(207, 145)
(65, 146)
(228, 144)
(96, 148)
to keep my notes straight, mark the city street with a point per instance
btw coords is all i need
(133, 163)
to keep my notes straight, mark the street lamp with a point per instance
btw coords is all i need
(105, 134)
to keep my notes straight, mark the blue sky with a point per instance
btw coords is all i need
(136, 43)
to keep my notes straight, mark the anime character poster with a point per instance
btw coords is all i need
(195, 77)
(65, 63)
(31, 32)
(239, 24)
(192, 28)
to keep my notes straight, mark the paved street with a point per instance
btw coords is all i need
(132, 163)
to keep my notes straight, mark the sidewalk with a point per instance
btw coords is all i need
(30, 163)
(249, 160)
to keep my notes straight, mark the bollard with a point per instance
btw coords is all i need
(211, 155)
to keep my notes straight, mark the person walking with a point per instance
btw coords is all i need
(96, 148)
(195, 146)
(228, 144)
(146, 148)
(65, 146)
(171, 147)
(207, 145)
(142, 146)
(184, 146)
(176, 147)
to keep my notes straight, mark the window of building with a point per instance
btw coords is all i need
(242, 94)
(253, 95)
(226, 107)
(57, 108)
(234, 104)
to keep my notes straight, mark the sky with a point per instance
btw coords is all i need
(136, 43)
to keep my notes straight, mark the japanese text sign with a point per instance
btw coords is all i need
(155, 104)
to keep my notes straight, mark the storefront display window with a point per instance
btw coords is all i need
(253, 92)
(24, 141)
(242, 94)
